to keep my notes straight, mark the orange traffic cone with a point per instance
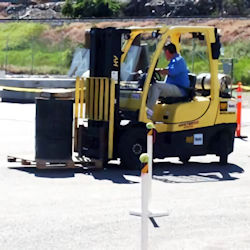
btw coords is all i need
(239, 107)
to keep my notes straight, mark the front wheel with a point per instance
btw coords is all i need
(132, 144)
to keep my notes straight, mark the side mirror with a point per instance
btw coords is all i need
(126, 36)
(155, 34)
(198, 35)
(216, 46)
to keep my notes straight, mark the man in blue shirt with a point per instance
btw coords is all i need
(176, 82)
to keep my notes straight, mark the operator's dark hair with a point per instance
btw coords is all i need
(170, 47)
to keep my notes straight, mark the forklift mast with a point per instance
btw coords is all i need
(102, 88)
(105, 57)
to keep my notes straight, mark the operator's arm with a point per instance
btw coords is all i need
(176, 67)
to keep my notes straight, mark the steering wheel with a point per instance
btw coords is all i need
(156, 76)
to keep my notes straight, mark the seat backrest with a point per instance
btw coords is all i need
(192, 80)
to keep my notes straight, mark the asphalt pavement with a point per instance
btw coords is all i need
(208, 204)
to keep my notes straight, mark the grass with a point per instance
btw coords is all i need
(242, 70)
(23, 50)
(240, 52)
(16, 36)
(55, 62)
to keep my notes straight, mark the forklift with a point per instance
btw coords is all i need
(110, 105)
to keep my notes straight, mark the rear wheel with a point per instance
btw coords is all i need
(184, 159)
(223, 148)
(132, 144)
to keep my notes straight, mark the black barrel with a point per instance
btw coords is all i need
(54, 119)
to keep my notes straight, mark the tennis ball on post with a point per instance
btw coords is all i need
(144, 158)
(150, 125)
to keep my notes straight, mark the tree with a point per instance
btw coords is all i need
(236, 7)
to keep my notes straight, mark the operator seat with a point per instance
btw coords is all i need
(189, 97)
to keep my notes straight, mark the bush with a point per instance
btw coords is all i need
(91, 8)
(67, 9)
(242, 70)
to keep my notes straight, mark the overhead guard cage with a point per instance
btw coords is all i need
(97, 94)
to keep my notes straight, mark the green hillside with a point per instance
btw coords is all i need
(25, 49)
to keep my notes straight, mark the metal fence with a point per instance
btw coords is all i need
(34, 56)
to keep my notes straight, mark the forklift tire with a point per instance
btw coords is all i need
(223, 144)
(184, 159)
(223, 159)
(132, 144)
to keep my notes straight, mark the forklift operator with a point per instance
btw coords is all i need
(176, 82)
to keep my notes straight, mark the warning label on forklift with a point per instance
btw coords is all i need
(231, 107)
(188, 124)
(114, 75)
(198, 139)
(228, 107)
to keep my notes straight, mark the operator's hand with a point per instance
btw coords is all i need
(162, 71)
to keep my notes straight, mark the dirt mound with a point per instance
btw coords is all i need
(231, 29)
(3, 7)
(76, 31)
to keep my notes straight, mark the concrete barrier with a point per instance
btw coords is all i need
(28, 96)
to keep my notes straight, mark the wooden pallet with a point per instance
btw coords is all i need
(43, 164)
(56, 164)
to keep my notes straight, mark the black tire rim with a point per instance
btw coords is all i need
(137, 148)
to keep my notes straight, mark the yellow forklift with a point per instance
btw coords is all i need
(110, 104)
